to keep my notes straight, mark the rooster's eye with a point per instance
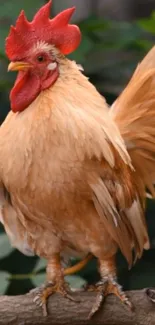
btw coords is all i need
(40, 58)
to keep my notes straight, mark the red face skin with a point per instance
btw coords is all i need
(33, 77)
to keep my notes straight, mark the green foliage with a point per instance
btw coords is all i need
(109, 52)
(148, 24)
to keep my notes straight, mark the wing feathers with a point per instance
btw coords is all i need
(123, 220)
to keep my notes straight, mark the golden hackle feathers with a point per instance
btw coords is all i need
(87, 116)
(134, 114)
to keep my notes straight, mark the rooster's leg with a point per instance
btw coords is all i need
(108, 285)
(55, 283)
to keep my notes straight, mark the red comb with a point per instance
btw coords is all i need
(56, 31)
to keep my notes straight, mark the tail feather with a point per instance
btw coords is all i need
(134, 114)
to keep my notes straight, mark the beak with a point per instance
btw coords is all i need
(18, 66)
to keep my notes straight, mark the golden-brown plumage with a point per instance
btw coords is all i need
(69, 175)
(134, 113)
(66, 152)
(69, 183)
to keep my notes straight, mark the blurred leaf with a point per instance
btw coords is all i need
(41, 263)
(39, 279)
(92, 24)
(5, 246)
(3, 282)
(148, 24)
(83, 50)
(120, 35)
(75, 281)
(144, 44)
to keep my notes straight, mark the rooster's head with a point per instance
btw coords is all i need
(34, 49)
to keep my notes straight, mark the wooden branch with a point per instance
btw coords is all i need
(20, 310)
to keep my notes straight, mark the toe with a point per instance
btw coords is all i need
(42, 294)
(64, 290)
(41, 302)
(105, 288)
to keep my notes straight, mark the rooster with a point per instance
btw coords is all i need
(73, 173)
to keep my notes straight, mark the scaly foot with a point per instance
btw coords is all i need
(104, 288)
(43, 293)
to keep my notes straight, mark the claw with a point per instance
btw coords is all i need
(105, 288)
(97, 305)
(43, 293)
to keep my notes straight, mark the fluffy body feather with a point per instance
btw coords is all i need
(69, 168)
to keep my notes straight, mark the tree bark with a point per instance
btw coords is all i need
(22, 310)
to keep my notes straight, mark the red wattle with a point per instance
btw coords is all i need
(26, 89)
